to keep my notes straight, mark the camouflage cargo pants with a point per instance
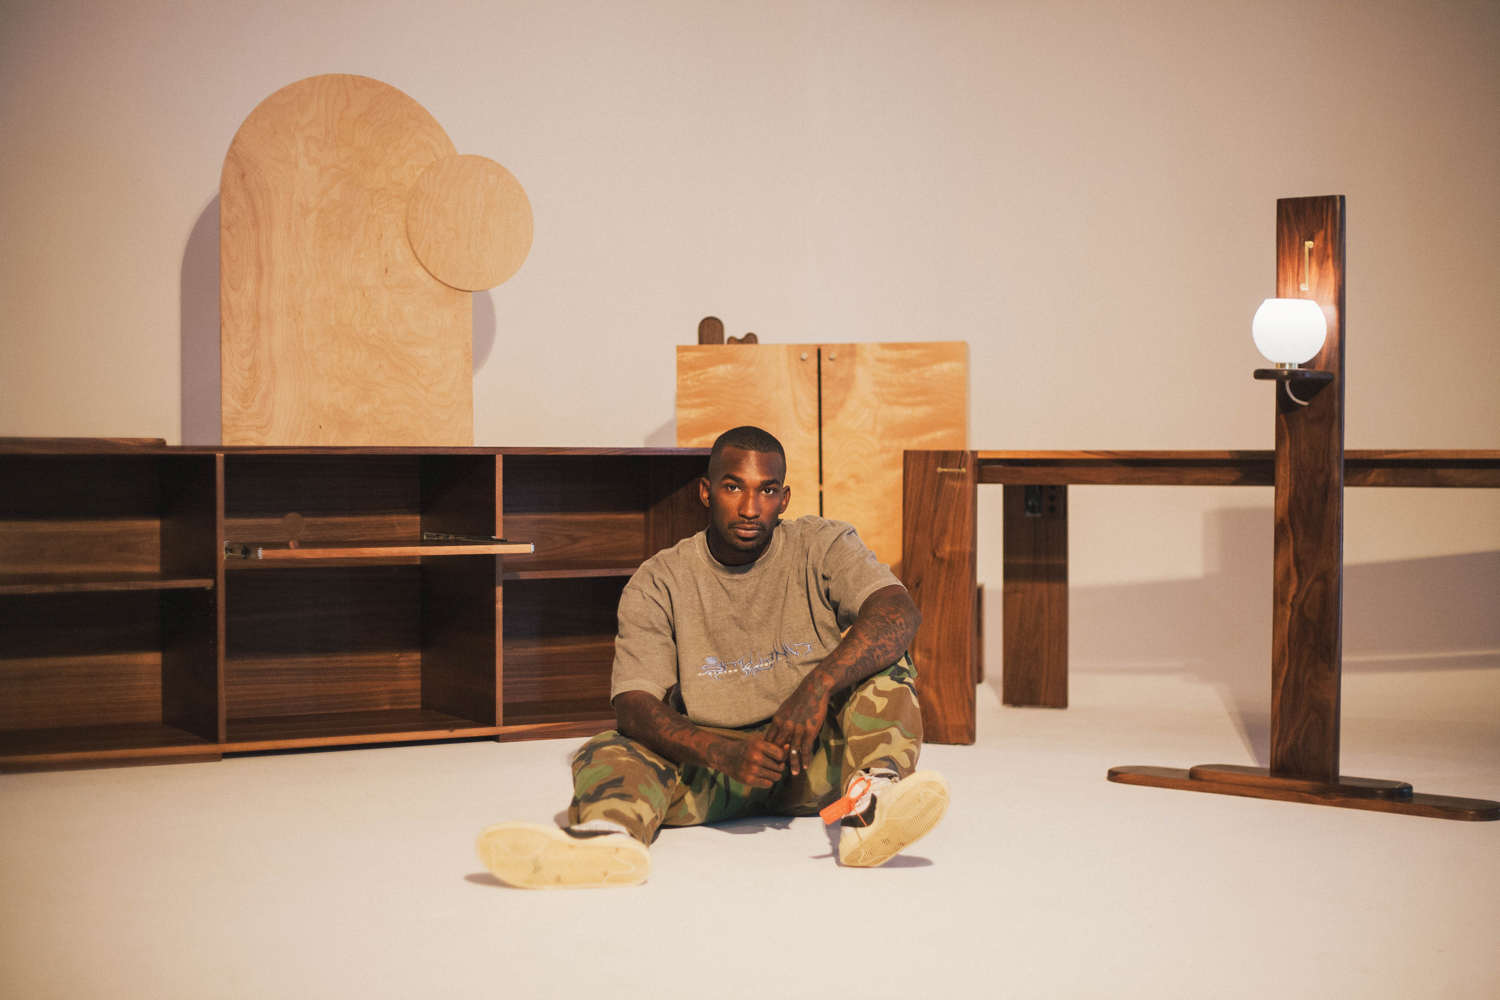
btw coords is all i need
(877, 723)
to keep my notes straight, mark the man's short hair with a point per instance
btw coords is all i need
(747, 438)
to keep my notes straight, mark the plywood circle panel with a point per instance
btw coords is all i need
(469, 222)
(332, 332)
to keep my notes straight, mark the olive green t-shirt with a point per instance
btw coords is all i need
(736, 640)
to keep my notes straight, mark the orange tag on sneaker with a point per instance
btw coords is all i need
(844, 806)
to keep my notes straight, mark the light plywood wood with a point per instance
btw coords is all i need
(774, 387)
(469, 222)
(878, 401)
(332, 332)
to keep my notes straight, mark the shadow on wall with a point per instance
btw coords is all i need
(200, 330)
(1408, 615)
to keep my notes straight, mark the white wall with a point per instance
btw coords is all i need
(1083, 191)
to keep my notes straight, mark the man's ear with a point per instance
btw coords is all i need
(786, 498)
(703, 490)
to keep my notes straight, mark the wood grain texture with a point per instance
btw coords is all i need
(108, 745)
(772, 386)
(1473, 469)
(1307, 604)
(469, 222)
(1035, 599)
(340, 498)
(578, 540)
(559, 647)
(581, 512)
(673, 508)
(332, 332)
(394, 725)
(460, 495)
(1165, 468)
(307, 640)
(710, 330)
(89, 659)
(939, 519)
(461, 597)
(461, 621)
(1477, 469)
(1431, 806)
(79, 446)
(77, 516)
(335, 551)
(80, 583)
(879, 400)
(191, 518)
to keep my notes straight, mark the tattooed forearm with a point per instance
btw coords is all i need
(663, 729)
(887, 621)
(651, 721)
(884, 629)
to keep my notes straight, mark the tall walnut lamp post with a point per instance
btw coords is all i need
(1306, 642)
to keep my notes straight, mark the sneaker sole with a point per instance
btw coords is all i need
(533, 856)
(904, 814)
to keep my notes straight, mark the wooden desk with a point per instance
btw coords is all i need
(939, 518)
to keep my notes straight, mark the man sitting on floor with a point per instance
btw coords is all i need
(736, 696)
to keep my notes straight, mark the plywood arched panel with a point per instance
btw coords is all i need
(332, 332)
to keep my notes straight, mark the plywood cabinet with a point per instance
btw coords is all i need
(844, 412)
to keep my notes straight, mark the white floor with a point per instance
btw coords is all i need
(344, 874)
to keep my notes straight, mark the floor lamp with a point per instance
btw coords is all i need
(1307, 632)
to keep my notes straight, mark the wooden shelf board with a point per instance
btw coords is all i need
(279, 732)
(73, 583)
(23, 748)
(550, 728)
(554, 572)
(281, 552)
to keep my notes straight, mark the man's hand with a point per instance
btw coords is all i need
(798, 721)
(881, 632)
(755, 762)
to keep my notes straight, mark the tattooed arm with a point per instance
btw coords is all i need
(887, 621)
(646, 719)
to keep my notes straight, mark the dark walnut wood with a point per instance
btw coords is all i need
(939, 502)
(1347, 793)
(710, 330)
(295, 552)
(1035, 597)
(1127, 468)
(77, 446)
(1429, 468)
(1307, 595)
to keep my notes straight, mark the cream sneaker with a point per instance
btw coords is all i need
(899, 814)
(534, 856)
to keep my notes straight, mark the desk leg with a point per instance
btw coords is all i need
(1035, 597)
(938, 569)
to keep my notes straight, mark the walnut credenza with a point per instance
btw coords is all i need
(133, 629)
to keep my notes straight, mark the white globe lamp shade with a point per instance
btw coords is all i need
(1289, 331)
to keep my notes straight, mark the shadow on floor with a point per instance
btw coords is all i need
(1407, 615)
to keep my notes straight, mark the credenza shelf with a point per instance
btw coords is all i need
(82, 583)
(128, 635)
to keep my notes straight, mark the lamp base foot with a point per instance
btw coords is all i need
(1375, 794)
